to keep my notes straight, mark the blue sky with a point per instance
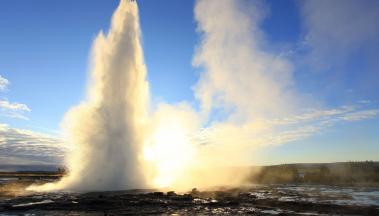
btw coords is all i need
(45, 46)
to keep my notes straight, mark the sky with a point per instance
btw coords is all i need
(330, 47)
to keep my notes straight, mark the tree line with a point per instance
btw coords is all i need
(364, 172)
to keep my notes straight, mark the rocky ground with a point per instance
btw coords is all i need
(263, 200)
(228, 202)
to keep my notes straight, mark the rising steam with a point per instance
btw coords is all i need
(242, 84)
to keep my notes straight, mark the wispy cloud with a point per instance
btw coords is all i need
(4, 104)
(285, 130)
(306, 125)
(14, 110)
(313, 115)
(3, 83)
(361, 115)
(29, 146)
(293, 135)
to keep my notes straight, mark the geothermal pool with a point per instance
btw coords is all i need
(255, 200)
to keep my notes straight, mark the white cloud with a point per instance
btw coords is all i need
(3, 83)
(14, 110)
(6, 105)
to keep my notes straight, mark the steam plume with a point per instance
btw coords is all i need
(241, 83)
(106, 128)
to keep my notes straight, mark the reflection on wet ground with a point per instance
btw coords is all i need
(257, 200)
(320, 194)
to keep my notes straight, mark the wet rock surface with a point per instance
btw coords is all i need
(262, 200)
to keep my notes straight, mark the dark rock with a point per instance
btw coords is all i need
(158, 194)
(171, 193)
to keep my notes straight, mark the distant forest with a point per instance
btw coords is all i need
(348, 173)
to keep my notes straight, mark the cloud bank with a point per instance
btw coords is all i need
(19, 146)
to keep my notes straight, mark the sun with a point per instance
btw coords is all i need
(169, 150)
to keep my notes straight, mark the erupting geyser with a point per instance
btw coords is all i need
(243, 88)
(107, 128)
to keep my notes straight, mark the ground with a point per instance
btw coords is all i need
(254, 200)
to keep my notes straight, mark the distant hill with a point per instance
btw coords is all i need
(33, 167)
(353, 172)
(331, 165)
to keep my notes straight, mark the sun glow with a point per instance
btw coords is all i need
(169, 150)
